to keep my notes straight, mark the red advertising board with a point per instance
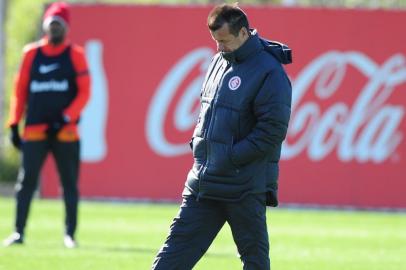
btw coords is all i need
(346, 142)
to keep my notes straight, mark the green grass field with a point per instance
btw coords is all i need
(127, 236)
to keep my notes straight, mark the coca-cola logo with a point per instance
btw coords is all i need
(365, 129)
(368, 130)
(183, 120)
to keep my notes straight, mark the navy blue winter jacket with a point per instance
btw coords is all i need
(244, 115)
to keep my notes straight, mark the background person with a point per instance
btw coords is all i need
(51, 90)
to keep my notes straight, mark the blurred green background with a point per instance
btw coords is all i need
(126, 236)
(21, 23)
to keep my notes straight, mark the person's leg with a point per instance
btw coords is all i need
(33, 156)
(66, 155)
(247, 220)
(191, 233)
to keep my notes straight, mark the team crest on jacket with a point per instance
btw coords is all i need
(234, 83)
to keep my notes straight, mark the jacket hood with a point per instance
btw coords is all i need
(279, 50)
(255, 43)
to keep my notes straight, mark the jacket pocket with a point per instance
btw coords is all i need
(199, 150)
(219, 162)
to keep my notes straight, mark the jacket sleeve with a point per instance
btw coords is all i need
(271, 108)
(20, 93)
(74, 110)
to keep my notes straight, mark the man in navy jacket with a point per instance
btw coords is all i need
(236, 144)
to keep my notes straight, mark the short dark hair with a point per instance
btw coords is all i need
(227, 13)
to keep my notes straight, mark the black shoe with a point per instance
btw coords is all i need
(14, 239)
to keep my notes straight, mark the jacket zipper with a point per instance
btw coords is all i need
(209, 128)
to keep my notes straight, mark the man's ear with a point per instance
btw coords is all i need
(244, 32)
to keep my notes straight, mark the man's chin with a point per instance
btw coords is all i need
(56, 41)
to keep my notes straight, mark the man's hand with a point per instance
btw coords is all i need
(55, 126)
(15, 137)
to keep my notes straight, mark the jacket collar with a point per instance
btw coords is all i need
(251, 46)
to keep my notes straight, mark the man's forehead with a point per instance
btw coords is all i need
(223, 30)
(54, 22)
(57, 22)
